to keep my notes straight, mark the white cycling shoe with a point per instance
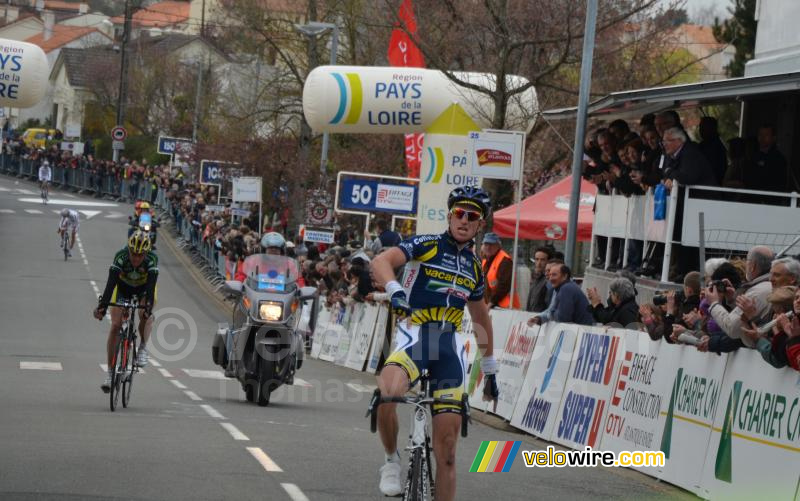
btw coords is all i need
(390, 479)
(142, 358)
(106, 386)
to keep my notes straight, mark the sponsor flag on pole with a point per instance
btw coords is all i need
(403, 52)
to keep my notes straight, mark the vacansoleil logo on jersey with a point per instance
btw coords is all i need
(495, 456)
(437, 165)
(356, 97)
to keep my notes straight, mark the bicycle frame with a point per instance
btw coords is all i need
(124, 361)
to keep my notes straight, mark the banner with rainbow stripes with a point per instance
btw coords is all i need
(495, 456)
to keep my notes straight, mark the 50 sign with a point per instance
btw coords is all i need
(361, 194)
(369, 195)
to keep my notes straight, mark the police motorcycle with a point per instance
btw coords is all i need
(262, 348)
(144, 221)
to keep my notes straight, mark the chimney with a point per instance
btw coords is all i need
(83, 8)
(49, 18)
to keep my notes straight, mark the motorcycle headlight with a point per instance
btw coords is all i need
(270, 311)
(146, 227)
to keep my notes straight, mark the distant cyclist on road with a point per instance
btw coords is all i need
(133, 273)
(45, 176)
(442, 275)
(70, 221)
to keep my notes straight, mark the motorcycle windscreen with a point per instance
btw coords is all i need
(145, 219)
(267, 272)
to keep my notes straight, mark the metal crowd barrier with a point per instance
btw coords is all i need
(83, 180)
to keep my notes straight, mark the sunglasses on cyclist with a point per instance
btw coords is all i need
(459, 213)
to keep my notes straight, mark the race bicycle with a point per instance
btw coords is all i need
(419, 484)
(45, 191)
(124, 365)
(65, 242)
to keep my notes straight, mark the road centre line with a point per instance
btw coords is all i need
(212, 411)
(294, 492)
(234, 431)
(178, 384)
(192, 395)
(266, 462)
(165, 373)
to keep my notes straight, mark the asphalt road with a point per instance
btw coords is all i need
(189, 433)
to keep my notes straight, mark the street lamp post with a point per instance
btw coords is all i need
(122, 96)
(311, 30)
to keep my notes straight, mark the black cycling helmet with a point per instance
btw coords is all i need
(474, 195)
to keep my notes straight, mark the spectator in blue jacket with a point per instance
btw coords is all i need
(569, 303)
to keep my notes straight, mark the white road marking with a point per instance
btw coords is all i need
(86, 261)
(33, 211)
(205, 374)
(89, 213)
(212, 411)
(23, 191)
(6, 211)
(302, 382)
(113, 215)
(294, 492)
(178, 384)
(154, 362)
(4, 189)
(80, 203)
(268, 464)
(361, 388)
(42, 366)
(94, 284)
(192, 395)
(234, 431)
(165, 373)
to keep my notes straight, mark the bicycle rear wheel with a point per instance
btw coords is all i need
(127, 382)
(117, 373)
(416, 488)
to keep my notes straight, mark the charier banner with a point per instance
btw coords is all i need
(501, 327)
(754, 451)
(513, 361)
(635, 421)
(592, 376)
(694, 400)
(537, 404)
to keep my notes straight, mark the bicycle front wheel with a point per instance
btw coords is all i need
(117, 374)
(417, 482)
(127, 381)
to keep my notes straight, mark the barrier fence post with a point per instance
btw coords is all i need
(673, 201)
(702, 243)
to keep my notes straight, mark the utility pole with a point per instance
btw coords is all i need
(197, 95)
(580, 130)
(122, 96)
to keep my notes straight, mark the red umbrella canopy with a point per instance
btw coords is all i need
(544, 215)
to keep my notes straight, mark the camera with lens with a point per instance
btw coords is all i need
(661, 299)
(719, 286)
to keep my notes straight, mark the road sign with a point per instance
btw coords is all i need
(497, 154)
(378, 196)
(119, 133)
(118, 145)
(174, 145)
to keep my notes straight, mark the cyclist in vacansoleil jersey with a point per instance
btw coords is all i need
(69, 221)
(442, 276)
(133, 273)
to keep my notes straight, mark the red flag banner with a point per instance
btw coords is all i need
(403, 52)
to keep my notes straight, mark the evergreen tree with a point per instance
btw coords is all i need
(740, 31)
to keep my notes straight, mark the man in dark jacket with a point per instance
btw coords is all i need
(569, 305)
(537, 298)
(687, 164)
(712, 147)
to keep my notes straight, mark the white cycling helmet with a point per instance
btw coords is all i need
(273, 239)
(64, 212)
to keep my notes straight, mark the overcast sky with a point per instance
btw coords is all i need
(700, 8)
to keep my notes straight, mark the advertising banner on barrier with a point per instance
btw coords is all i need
(378, 339)
(536, 411)
(352, 318)
(513, 361)
(330, 342)
(362, 336)
(592, 376)
(754, 451)
(321, 328)
(694, 399)
(501, 325)
(635, 421)
(378, 196)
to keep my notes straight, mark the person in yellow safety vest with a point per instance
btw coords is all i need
(497, 267)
